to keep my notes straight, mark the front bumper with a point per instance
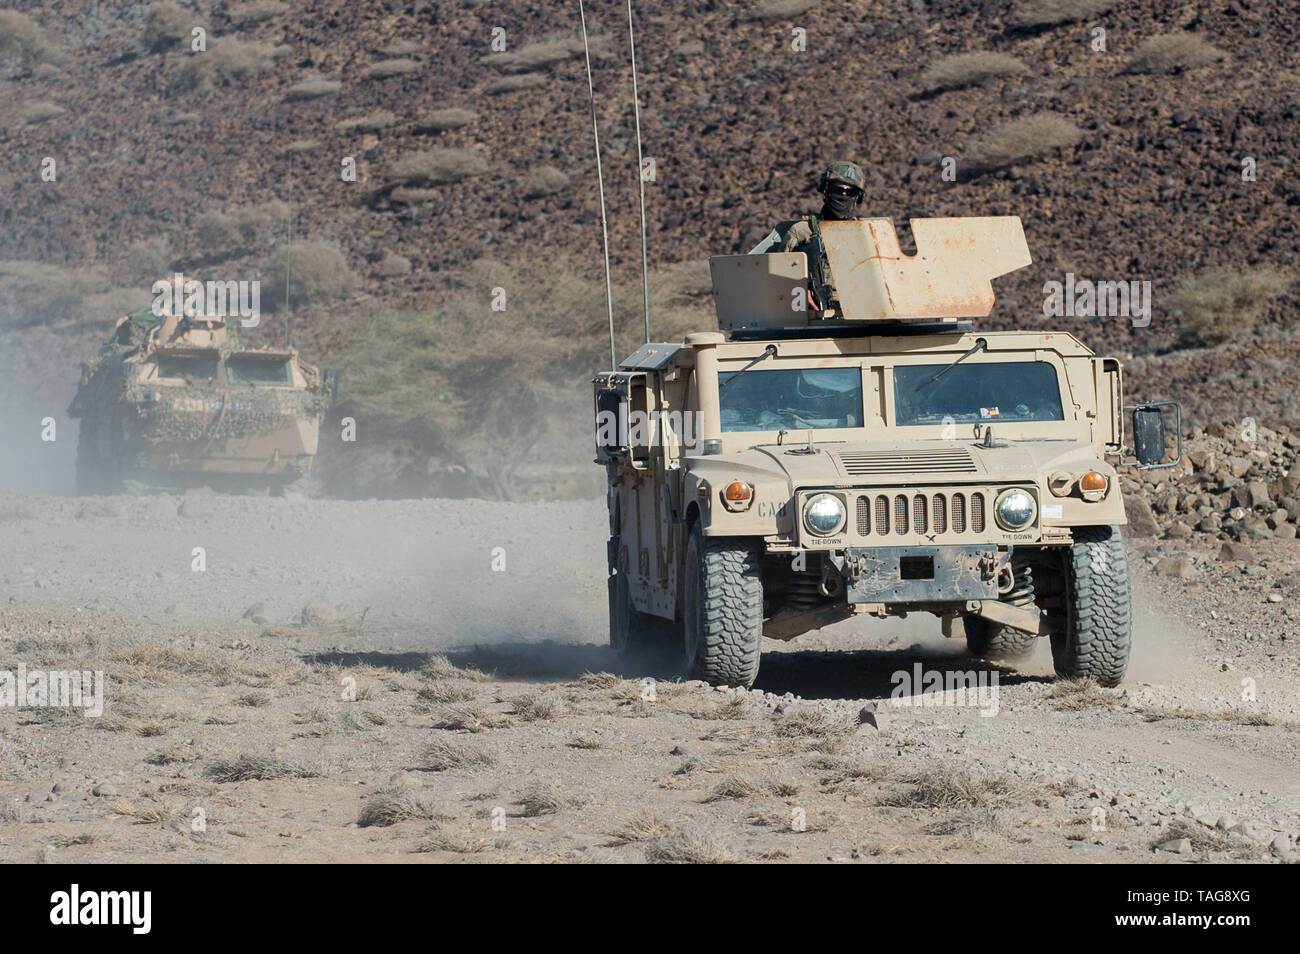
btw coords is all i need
(932, 574)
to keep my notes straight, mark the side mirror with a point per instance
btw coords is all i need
(1149, 434)
(611, 425)
(332, 384)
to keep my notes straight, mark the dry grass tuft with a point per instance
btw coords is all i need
(1024, 140)
(438, 840)
(970, 69)
(248, 766)
(442, 120)
(441, 755)
(733, 787)
(388, 806)
(686, 848)
(22, 39)
(641, 827)
(387, 69)
(955, 788)
(1173, 53)
(1038, 13)
(538, 706)
(471, 718)
(542, 801)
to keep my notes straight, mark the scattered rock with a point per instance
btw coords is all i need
(319, 613)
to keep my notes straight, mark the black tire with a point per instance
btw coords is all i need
(1098, 635)
(722, 609)
(630, 630)
(996, 642)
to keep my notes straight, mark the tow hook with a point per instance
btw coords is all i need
(832, 584)
(853, 567)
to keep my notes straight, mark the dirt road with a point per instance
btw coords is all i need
(313, 680)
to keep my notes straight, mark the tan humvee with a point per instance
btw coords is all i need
(850, 445)
(173, 400)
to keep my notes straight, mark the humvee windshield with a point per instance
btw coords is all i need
(1003, 391)
(194, 368)
(796, 399)
(257, 370)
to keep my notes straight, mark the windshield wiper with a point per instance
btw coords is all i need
(979, 343)
(767, 353)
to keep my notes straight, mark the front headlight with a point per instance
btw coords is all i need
(1015, 509)
(823, 514)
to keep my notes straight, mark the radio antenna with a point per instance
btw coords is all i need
(600, 183)
(640, 176)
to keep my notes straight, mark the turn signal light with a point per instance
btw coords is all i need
(1092, 486)
(1092, 481)
(737, 495)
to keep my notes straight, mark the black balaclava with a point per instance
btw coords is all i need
(839, 207)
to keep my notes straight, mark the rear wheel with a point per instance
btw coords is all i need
(1096, 640)
(630, 630)
(994, 641)
(723, 609)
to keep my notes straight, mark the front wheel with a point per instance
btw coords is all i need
(1097, 637)
(723, 609)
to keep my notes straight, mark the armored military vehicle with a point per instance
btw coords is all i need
(848, 443)
(174, 401)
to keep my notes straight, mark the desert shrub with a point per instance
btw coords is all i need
(424, 379)
(21, 39)
(771, 9)
(393, 266)
(256, 11)
(436, 167)
(1173, 52)
(313, 272)
(1227, 302)
(386, 69)
(41, 111)
(1024, 140)
(241, 228)
(1039, 13)
(547, 51)
(399, 48)
(227, 61)
(33, 293)
(373, 122)
(544, 181)
(441, 120)
(167, 26)
(312, 88)
(970, 69)
(513, 84)
(146, 260)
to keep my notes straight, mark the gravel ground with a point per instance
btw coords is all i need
(427, 680)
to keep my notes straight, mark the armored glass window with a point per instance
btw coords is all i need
(1013, 391)
(193, 368)
(792, 400)
(257, 370)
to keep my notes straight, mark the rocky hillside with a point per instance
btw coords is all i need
(1125, 163)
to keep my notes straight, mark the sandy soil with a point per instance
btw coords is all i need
(491, 723)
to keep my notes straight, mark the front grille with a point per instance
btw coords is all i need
(941, 460)
(899, 514)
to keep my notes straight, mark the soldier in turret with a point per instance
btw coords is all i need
(842, 187)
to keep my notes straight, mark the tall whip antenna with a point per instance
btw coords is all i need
(600, 182)
(640, 177)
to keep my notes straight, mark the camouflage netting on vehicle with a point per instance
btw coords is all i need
(204, 414)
